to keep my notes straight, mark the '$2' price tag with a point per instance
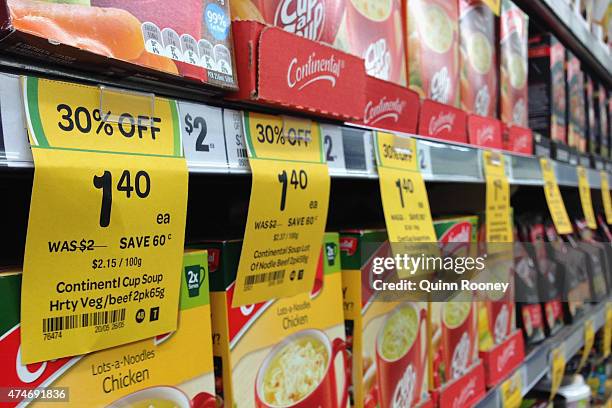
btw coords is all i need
(287, 208)
(107, 219)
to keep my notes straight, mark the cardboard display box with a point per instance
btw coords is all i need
(151, 40)
(175, 369)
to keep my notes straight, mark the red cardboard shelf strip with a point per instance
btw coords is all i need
(443, 122)
(519, 140)
(503, 359)
(485, 132)
(276, 67)
(390, 106)
(463, 392)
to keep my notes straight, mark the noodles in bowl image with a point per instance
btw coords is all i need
(298, 372)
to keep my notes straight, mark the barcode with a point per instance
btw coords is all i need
(272, 278)
(242, 153)
(52, 324)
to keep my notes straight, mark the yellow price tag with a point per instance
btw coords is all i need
(585, 197)
(607, 340)
(589, 339)
(512, 391)
(287, 208)
(106, 227)
(557, 370)
(556, 206)
(498, 218)
(605, 195)
(403, 193)
(494, 5)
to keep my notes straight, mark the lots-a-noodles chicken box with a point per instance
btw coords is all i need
(135, 375)
(432, 41)
(513, 68)
(547, 104)
(125, 38)
(478, 58)
(454, 323)
(387, 338)
(285, 352)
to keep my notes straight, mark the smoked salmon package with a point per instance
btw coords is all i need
(148, 39)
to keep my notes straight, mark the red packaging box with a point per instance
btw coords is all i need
(503, 359)
(278, 68)
(317, 20)
(513, 50)
(432, 43)
(478, 58)
(462, 392)
(151, 39)
(391, 107)
(374, 33)
(443, 122)
(485, 132)
(518, 140)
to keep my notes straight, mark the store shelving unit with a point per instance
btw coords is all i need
(571, 29)
(351, 152)
(537, 362)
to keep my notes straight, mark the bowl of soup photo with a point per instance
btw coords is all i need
(299, 372)
(160, 397)
(400, 357)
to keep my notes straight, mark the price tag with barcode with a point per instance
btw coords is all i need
(235, 145)
(106, 227)
(556, 206)
(287, 209)
(585, 197)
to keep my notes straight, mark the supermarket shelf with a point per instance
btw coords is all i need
(348, 149)
(571, 29)
(537, 363)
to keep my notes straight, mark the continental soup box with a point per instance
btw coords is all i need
(285, 352)
(136, 375)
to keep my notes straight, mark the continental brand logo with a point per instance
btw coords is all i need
(304, 73)
(384, 109)
(441, 123)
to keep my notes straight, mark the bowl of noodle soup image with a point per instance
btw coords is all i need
(299, 372)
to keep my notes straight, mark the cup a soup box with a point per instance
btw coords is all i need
(432, 41)
(140, 38)
(454, 323)
(375, 33)
(285, 352)
(317, 20)
(478, 58)
(513, 64)
(387, 338)
(171, 370)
